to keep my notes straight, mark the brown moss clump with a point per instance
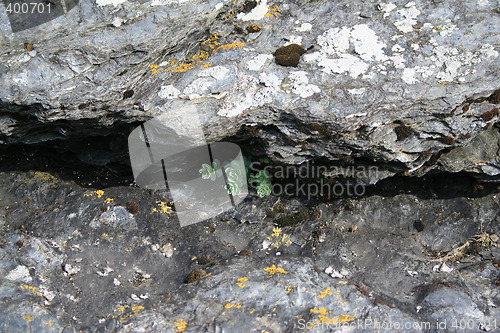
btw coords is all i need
(289, 55)
(195, 275)
(403, 132)
(133, 207)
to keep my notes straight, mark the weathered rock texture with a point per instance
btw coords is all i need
(112, 260)
(409, 88)
(395, 84)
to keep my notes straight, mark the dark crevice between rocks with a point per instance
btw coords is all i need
(103, 161)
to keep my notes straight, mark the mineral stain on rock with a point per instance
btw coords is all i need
(289, 55)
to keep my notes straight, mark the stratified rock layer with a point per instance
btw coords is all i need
(396, 84)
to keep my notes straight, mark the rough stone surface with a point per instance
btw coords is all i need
(410, 89)
(395, 260)
(371, 68)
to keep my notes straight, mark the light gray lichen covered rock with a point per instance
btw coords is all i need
(371, 68)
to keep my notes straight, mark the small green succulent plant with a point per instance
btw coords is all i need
(236, 177)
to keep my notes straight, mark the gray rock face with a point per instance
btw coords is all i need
(391, 264)
(394, 83)
(408, 90)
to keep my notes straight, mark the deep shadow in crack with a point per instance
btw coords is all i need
(103, 161)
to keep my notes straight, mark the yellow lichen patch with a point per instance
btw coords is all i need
(272, 11)
(272, 270)
(197, 60)
(163, 208)
(182, 67)
(206, 64)
(240, 281)
(28, 318)
(98, 193)
(121, 308)
(29, 47)
(108, 200)
(180, 325)
(230, 46)
(278, 239)
(336, 293)
(154, 68)
(32, 289)
(335, 320)
(325, 293)
(137, 308)
(231, 305)
(49, 323)
(288, 289)
(321, 311)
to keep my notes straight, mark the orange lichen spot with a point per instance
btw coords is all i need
(154, 68)
(272, 11)
(336, 320)
(182, 67)
(180, 325)
(121, 308)
(163, 208)
(325, 293)
(230, 46)
(137, 308)
(98, 193)
(240, 281)
(272, 270)
(29, 47)
(320, 311)
(108, 200)
(202, 55)
(231, 305)
(206, 64)
(32, 289)
(28, 318)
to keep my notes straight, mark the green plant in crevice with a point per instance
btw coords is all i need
(262, 182)
(235, 181)
(211, 171)
(235, 177)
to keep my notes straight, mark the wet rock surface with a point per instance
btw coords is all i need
(409, 91)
